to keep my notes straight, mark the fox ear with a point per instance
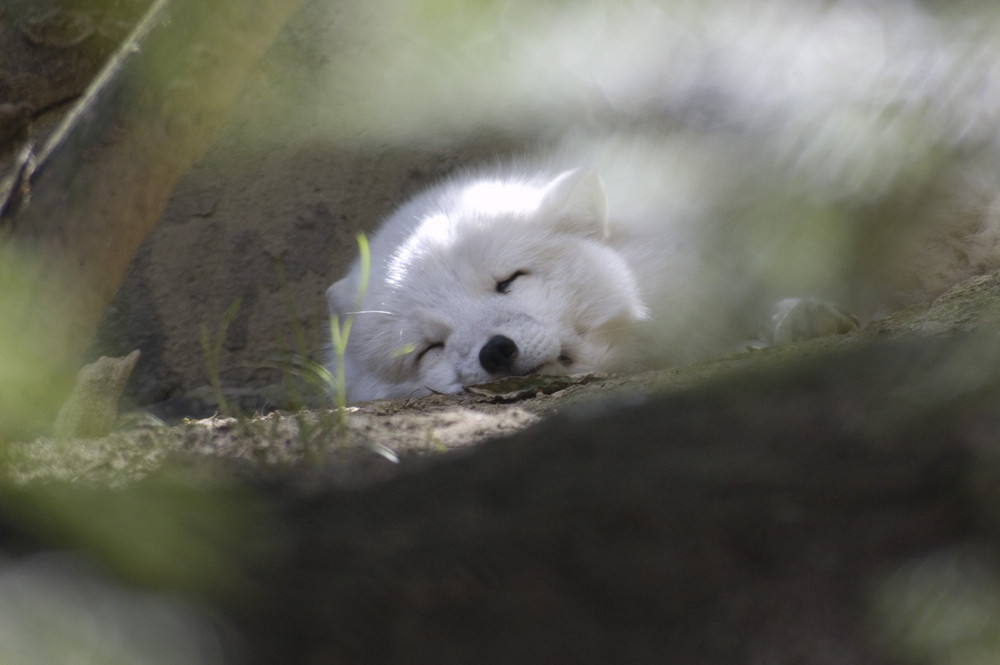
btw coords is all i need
(575, 202)
(340, 296)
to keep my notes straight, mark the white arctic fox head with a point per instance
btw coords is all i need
(482, 278)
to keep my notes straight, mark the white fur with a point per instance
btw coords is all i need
(663, 256)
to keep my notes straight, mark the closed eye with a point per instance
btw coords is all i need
(503, 286)
(429, 347)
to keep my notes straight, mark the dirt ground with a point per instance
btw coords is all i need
(373, 441)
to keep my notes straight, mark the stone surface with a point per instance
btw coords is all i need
(92, 408)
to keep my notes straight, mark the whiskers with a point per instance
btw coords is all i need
(371, 311)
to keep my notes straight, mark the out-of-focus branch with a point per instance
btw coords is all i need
(85, 202)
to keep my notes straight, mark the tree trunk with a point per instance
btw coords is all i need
(82, 207)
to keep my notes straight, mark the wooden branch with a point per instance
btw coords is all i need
(84, 204)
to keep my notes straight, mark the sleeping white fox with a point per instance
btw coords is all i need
(620, 259)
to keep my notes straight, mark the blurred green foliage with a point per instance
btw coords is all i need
(35, 375)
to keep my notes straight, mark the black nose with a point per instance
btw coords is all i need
(498, 354)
